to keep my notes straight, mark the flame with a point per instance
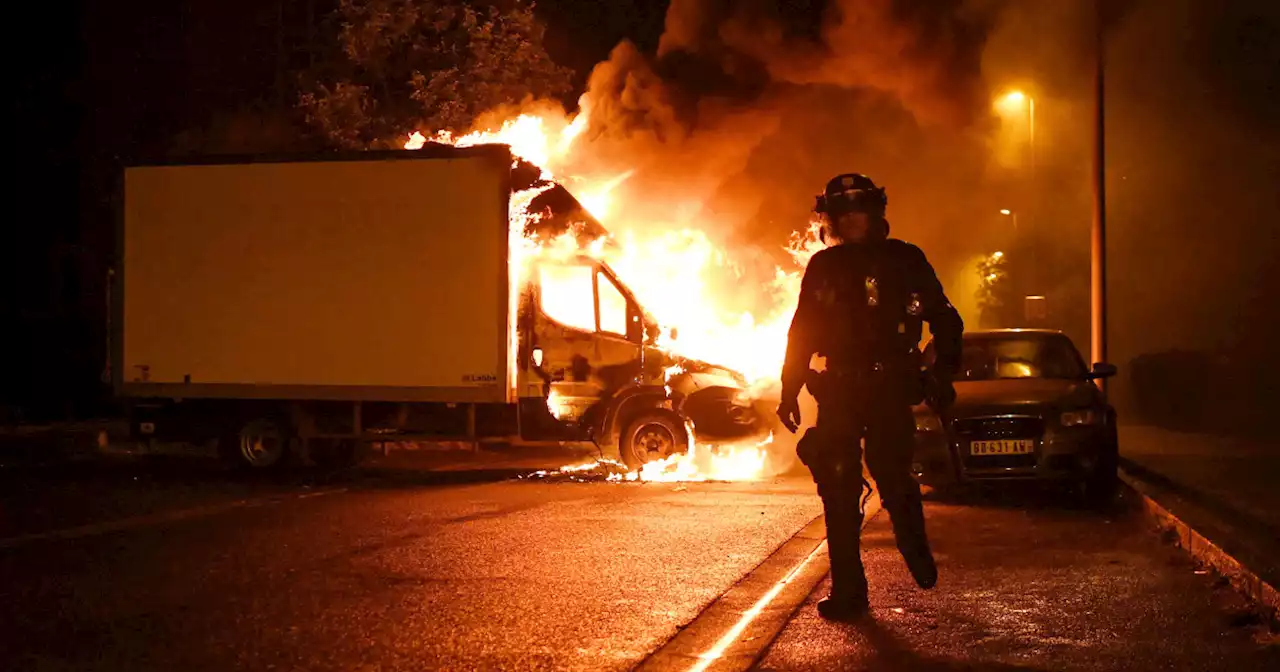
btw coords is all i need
(557, 405)
(703, 462)
(416, 141)
(531, 137)
(681, 276)
(706, 463)
(684, 278)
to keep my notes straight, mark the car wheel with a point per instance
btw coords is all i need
(652, 436)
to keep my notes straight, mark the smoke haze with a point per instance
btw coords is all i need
(747, 108)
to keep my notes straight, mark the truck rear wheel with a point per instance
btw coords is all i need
(652, 436)
(259, 444)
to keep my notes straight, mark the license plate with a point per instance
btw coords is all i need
(1003, 447)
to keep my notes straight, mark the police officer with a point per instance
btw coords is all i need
(862, 304)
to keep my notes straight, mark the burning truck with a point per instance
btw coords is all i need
(299, 309)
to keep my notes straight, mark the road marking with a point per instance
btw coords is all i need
(710, 657)
(734, 630)
(107, 527)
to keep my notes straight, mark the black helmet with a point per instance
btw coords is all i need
(852, 192)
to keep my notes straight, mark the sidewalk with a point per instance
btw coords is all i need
(1224, 488)
(1241, 474)
(1027, 585)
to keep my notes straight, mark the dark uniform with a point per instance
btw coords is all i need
(862, 306)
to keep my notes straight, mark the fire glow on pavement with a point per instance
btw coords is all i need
(745, 461)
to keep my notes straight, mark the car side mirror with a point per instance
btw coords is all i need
(1102, 370)
(673, 333)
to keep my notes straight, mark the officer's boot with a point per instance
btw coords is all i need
(848, 598)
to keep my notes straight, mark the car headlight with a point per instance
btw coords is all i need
(1080, 418)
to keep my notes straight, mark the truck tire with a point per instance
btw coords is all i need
(259, 444)
(650, 436)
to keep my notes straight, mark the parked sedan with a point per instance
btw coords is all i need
(1026, 408)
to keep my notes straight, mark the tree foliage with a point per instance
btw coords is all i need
(993, 288)
(405, 65)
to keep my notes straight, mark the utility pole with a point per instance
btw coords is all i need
(1098, 246)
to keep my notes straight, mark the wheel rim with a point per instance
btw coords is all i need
(653, 442)
(261, 443)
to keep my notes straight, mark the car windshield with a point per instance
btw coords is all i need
(1009, 357)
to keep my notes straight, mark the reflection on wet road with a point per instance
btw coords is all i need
(1027, 583)
(391, 575)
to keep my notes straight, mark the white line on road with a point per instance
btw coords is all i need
(729, 635)
(705, 660)
(107, 527)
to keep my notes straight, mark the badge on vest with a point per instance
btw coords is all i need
(873, 291)
(915, 308)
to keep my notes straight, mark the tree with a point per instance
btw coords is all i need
(405, 65)
(993, 290)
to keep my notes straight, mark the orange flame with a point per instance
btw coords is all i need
(706, 463)
(679, 276)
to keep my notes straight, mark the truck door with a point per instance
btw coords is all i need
(584, 337)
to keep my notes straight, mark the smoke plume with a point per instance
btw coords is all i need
(748, 107)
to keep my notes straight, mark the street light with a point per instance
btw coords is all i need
(1014, 215)
(1012, 101)
(1015, 103)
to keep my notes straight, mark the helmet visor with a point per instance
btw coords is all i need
(870, 201)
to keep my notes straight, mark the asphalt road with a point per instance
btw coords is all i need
(376, 574)
(1029, 584)
(510, 575)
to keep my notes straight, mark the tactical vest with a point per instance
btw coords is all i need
(871, 297)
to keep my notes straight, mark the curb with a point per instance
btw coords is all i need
(734, 631)
(1243, 579)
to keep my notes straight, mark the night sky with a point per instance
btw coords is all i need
(1193, 98)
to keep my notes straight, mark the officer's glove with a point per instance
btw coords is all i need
(789, 414)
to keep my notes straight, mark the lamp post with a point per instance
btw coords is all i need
(1012, 105)
(1097, 238)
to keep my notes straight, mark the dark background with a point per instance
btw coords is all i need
(1193, 172)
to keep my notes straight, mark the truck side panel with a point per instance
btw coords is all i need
(287, 279)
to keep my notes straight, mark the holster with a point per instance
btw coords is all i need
(835, 465)
(829, 459)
